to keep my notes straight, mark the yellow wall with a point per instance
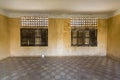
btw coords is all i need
(59, 40)
(4, 37)
(114, 37)
(59, 36)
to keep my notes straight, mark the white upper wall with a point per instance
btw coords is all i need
(115, 13)
(59, 8)
(76, 6)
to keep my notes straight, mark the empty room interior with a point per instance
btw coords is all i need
(59, 39)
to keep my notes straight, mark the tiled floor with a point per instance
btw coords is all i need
(59, 68)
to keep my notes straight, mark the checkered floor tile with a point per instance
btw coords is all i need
(59, 68)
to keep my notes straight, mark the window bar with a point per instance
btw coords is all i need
(33, 21)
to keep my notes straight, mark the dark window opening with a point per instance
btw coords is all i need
(34, 31)
(84, 31)
(84, 37)
(34, 37)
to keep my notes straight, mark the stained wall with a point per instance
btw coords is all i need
(59, 40)
(113, 42)
(4, 37)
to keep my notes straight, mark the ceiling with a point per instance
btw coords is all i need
(66, 6)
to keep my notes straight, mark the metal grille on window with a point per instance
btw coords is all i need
(34, 22)
(84, 31)
(34, 31)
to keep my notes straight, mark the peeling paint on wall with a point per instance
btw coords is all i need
(59, 40)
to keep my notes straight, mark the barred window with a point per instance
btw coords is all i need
(32, 21)
(84, 31)
(34, 31)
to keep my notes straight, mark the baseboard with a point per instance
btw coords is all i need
(4, 58)
(113, 57)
